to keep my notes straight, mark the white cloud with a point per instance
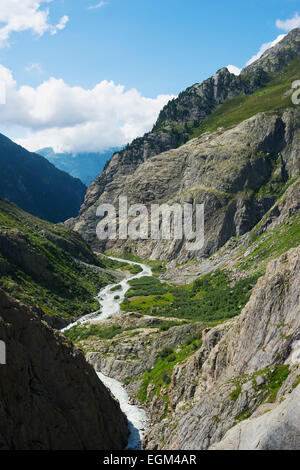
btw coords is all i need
(264, 48)
(99, 5)
(6, 77)
(233, 69)
(23, 15)
(60, 26)
(73, 119)
(289, 24)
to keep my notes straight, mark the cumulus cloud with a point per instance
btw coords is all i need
(73, 119)
(6, 77)
(289, 24)
(23, 15)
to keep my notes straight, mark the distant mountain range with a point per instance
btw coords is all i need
(85, 166)
(38, 187)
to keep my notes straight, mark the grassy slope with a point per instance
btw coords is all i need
(82, 332)
(270, 98)
(271, 245)
(213, 297)
(37, 265)
(209, 298)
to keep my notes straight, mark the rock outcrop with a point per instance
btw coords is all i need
(198, 101)
(245, 369)
(129, 356)
(230, 172)
(278, 429)
(50, 397)
(237, 173)
(277, 57)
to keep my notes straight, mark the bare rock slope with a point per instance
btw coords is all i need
(247, 372)
(230, 172)
(237, 169)
(50, 398)
(276, 429)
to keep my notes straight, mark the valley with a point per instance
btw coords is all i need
(110, 299)
(144, 344)
(158, 349)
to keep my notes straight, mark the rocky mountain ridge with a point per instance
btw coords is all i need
(238, 172)
(37, 186)
(275, 58)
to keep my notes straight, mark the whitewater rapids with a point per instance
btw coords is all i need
(109, 306)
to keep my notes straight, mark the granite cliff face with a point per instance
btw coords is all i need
(276, 429)
(213, 385)
(231, 172)
(236, 166)
(247, 372)
(50, 398)
(277, 57)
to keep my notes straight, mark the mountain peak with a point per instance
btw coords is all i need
(222, 71)
(278, 56)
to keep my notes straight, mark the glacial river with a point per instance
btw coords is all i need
(109, 306)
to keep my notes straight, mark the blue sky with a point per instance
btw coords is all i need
(157, 47)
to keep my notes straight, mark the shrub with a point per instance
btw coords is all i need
(165, 352)
(171, 358)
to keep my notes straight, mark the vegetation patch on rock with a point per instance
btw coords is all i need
(209, 298)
